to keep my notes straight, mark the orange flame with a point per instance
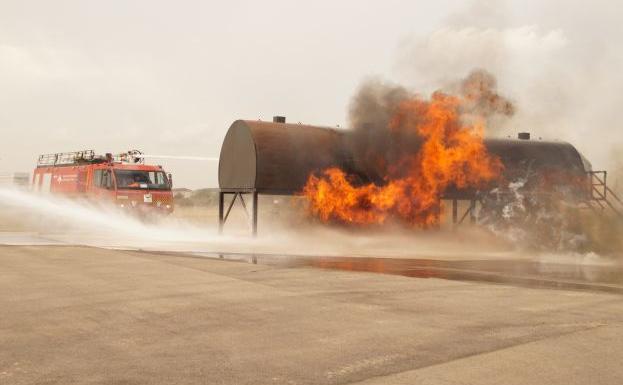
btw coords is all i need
(452, 154)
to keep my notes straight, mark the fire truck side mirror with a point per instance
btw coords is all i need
(170, 180)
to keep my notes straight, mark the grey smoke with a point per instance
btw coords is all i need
(379, 149)
(560, 68)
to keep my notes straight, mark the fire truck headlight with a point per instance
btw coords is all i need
(122, 205)
(168, 206)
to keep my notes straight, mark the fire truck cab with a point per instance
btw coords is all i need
(122, 180)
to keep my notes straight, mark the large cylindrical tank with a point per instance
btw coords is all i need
(538, 154)
(277, 158)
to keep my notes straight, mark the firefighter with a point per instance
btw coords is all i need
(138, 179)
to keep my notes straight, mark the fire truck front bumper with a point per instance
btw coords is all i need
(161, 206)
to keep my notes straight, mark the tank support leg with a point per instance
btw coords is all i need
(224, 214)
(254, 219)
(455, 212)
(221, 202)
(244, 205)
(472, 211)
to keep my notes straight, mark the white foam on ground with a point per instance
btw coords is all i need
(73, 221)
(56, 220)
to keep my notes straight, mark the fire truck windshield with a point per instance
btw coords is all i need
(140, 179)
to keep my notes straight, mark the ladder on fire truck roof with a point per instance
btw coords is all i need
(602, 195)
(66, 158)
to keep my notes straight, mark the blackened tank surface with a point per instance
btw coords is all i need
(277, 158)
(557, 164)
(537, 154)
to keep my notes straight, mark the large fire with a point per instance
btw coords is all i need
(451, 154)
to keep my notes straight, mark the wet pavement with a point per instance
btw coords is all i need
(25, 238)
(555, 272)
(606, 277)
(92, 315)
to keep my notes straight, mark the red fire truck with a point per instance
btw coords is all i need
(123, 180)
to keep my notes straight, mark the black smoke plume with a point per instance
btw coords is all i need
(376, 147)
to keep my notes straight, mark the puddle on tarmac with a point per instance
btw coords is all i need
(608, 278)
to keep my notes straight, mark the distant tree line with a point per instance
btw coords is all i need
(199, 198)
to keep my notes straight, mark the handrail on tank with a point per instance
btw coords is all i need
(601, 192)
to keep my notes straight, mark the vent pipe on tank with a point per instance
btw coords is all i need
(279, 119)
(523, 136)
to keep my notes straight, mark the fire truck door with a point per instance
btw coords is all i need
(35, 182)
(46, 183)
(103, 183)
(82, 180)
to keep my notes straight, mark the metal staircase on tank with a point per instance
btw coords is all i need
(602, 196)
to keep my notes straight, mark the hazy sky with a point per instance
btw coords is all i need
(169, 77)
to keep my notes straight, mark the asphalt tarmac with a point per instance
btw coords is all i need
(86, 315)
